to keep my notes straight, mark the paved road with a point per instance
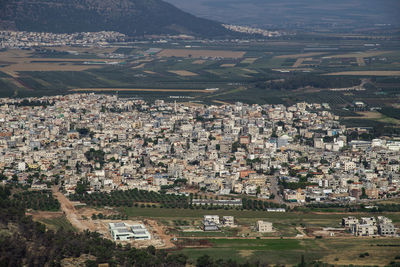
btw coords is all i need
(275, 189)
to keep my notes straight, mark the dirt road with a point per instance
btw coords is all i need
(69, 210)
(160, 230)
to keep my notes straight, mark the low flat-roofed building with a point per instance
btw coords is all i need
(387, 229)
(210, 226)
(228, 221)
(349, 221)
(264, 227)
(212, 218)
(368, 220)
(363, 229)
(116, 225)
(123, 234)
(140, 232)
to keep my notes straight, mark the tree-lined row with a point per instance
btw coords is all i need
(349, 208)
(130, 197)
(37, 200)
(254, 204)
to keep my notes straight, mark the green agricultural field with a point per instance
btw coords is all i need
(249, 216)
(289, 251)
(242, 79)
(58, 223)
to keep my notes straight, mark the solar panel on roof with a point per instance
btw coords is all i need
(141, 232)
(123, 230)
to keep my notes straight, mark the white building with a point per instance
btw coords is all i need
(349, 221)
(368, 220)
(212, 218)
(123, 232)
(140, 232)
(21, 166)
(120, 231)
(264, 227)
(349, 166)
(387, 229)
(363, 229)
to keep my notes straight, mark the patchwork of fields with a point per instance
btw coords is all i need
(240, 72)
(244, 244)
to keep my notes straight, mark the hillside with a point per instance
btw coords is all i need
(131, 17)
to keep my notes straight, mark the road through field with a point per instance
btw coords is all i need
(69, 210)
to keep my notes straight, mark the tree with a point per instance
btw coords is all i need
(258, 190)
(14, 178)
(204, 261)
(81, 187)
(363, 194)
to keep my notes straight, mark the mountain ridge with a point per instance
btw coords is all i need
(131, 17)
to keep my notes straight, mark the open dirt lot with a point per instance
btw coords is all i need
(228, 65)
(183, 73)
(200, 53)
(199, 61)
(149, 72)
(298, 62)
(37, 215)
(21, 60)
(139, 66)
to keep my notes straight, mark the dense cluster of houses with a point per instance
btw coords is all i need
(120, 144)
(370, 226)
(22, 39)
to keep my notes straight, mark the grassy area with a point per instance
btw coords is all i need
(284, 251)
(257, 244)
(242, 214)
(284, 223)
(58, 223)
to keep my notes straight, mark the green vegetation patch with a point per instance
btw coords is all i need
(257, 244)
(391, 112)
(36, 200)
(58, 223)
(131, 198)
